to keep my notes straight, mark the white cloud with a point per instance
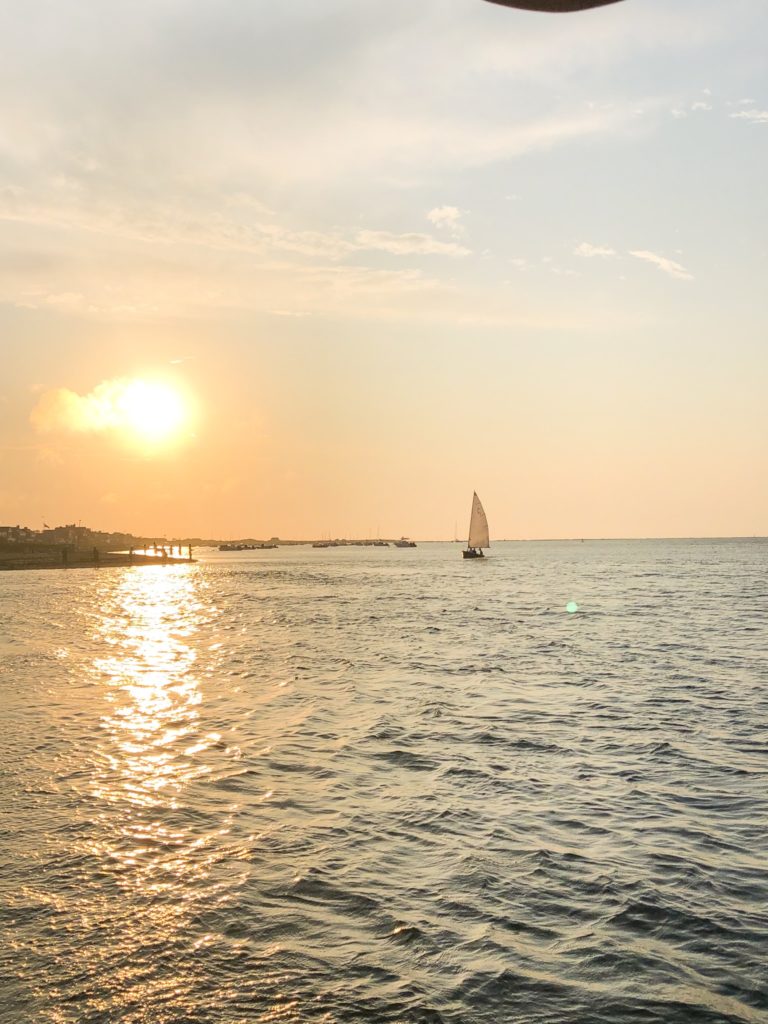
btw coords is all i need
(447, 218)
(66, 411)
(662, 262)
(701, 105)
(587, 249)
(668, 266)
(754, 116)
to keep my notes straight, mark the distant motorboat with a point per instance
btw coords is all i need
(478, 531)
(404, 543)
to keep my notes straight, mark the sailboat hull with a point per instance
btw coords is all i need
(473, 553)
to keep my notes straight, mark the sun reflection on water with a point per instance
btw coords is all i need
(154, 691)
(160, 834)
(156, 753)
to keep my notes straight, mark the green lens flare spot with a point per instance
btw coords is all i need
(571, 607)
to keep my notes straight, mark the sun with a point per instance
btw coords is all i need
(151, 412)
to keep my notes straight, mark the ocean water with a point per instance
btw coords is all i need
(380, 785)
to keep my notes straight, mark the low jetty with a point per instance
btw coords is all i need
(64, 559)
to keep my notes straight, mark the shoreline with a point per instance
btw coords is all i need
(106, 560)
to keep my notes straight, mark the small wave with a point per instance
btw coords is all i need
(406, 759)
(647, 917)
(406, 933)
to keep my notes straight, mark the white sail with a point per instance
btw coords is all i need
(478, 526)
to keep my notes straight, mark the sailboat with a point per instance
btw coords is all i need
(478, 531)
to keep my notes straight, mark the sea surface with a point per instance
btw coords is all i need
(384, 785)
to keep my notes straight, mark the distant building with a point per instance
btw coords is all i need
(71, 534)
(17, 534)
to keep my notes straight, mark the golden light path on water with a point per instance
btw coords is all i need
(155, 694)
(170, 859)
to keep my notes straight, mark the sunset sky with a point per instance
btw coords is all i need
(378, 255)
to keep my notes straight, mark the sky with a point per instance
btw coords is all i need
(382, 255)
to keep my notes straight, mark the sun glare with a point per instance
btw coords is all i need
(146, 412)
(152, 411)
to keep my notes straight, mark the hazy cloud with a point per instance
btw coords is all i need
(407, 244)
(200, 223)
(587, 249)
(65, 411)
(111, 405)
(447, 218)
(668, 266)
(268, 159)
(755, 116)
(68, 302)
